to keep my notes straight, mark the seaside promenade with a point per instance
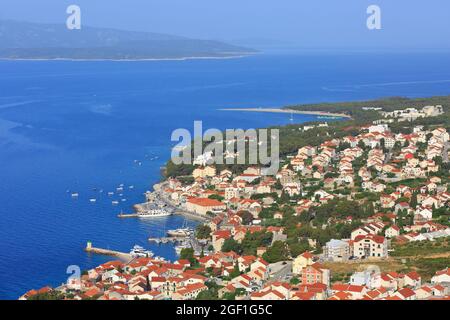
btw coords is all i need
(176, 208)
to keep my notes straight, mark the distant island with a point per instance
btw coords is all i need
(34, 41)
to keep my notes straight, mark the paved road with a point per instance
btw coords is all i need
(445, 152)
(279, 270)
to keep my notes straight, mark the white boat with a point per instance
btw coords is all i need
(153, 213)
(114, 203)
(119, 189)
(184, 231)
(93, 200)
(110, 193)
(74, 195)
(181, 232)
(123, 200)
(131, 187)
(138, 251)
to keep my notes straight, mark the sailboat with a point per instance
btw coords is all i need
(184, 231)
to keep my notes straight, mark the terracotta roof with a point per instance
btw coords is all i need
(205, 202)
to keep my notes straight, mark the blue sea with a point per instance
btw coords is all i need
(79, 126)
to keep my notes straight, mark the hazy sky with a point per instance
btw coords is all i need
(308, 23)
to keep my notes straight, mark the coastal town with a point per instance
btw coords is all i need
(361, 215)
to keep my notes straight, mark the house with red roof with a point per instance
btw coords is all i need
(406, 294)
(441, 277)
(412, 279)
(302, 261)
(315, 273)
(219, 237)
(189, 291)
(204, 205)
(353, 291)
(392, 232)
(268, 294)
(370, 246)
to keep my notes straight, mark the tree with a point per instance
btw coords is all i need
(211, 294)
(413, 202)
(246, 216)
(229, 296)
(231, 245)
(203, 231)
(216, 197)
(297, 248)
(207, 295)
(51, 295)
(236, 272)
(277, 252)
(254, 240)
(188, 254)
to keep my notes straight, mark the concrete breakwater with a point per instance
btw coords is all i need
(121, 255)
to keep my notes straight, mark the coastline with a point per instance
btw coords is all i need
(278, 110)
(243, 55)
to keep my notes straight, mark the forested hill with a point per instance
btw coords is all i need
(355, 108)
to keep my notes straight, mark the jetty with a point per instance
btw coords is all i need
(164, 240)
(122, 255)
(127, 215)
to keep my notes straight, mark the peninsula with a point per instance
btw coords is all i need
(287, 110)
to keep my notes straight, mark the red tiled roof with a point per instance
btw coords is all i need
(205, 202)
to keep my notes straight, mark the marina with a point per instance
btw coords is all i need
(164, 240)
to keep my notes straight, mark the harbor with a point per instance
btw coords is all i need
(158, 197)
(157, 205)
(135, 252)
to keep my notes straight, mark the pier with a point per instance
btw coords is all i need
(164, 240)
(127, 215)
(122, 255)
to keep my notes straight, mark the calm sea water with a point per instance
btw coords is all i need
(80, 125)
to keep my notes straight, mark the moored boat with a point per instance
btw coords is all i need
(153, 213)
(138, 251)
